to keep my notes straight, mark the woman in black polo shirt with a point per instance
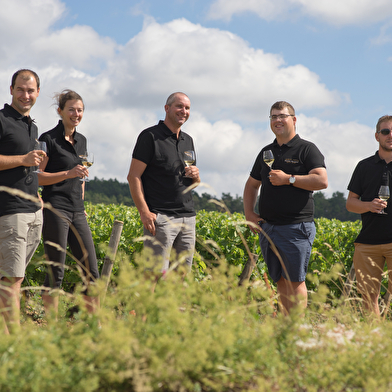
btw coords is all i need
(64, 190)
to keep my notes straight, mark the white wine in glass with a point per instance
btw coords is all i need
(383, 194)
(87, 161)
(189, 158)
(268, 158)
(41, 146)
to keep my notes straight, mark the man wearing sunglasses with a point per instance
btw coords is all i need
(373, 246)
(286, 207)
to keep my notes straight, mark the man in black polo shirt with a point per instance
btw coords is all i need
(286, 208)
(373, 246)
(158, 179)
(20, 218)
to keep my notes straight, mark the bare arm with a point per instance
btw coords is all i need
(355, 204)
(32, 158)
(136, 187)
(250, 196)
(46, 178)
(316, 180)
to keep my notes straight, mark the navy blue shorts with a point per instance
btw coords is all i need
(294, 244)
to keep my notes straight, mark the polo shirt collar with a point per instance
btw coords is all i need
(291, 142)
(16, 115)
(377, 157)
(75, 134)
(168, 132)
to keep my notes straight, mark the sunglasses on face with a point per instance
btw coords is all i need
(385, 131)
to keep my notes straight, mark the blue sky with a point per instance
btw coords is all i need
(331, 59)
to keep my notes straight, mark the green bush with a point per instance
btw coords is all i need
(183, 334)
(333, 247)
(100, 218)
(200, 331)
(220, 236)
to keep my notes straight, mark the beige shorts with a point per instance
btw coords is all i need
(369, 262)
(20, 235)
(172, 233)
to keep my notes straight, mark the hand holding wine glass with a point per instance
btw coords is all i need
(383, 194)
(268, 158)
(40, 146)
(87, 161)
(189, 158)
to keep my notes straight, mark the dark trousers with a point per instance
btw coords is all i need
(57, 230)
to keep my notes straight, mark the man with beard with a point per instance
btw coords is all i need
(373, 246)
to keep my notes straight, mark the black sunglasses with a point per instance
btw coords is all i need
(385, 132)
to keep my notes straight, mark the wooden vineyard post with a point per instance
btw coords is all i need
(113, 245)
(349, 282)
(248, 269)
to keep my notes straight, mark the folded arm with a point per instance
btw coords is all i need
(315, 180)
(355, 204)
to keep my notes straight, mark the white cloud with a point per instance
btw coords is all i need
(385, 36)
(224, 146)
(223, 75)
(335, 12)
(22, 21)
(111, 136)
(343, 146)
(78, 46)
(231, 86)
(32, 40)
(265, 9)
(347, 12)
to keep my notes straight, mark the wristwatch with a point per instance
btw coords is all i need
(292, 180)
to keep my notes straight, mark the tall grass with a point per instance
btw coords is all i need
(187, 334)
(200, 332)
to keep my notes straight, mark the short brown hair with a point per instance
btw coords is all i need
(25, 72)
(387, 117)
(281, 105)
(67, 95)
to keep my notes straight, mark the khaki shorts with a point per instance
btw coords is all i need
(369, 262)
(174, 233)
(20, 235)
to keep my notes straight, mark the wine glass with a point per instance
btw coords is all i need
(40, 146)
(268, 158)
(87, 161)
(383, 194)
(189, 158)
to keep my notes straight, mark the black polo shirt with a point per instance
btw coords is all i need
(67, 194)
(287, 204)
(163, 179)
(365, 182)
(18, 135)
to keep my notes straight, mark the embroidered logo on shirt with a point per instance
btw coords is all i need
(29, 179)
(291, 160)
